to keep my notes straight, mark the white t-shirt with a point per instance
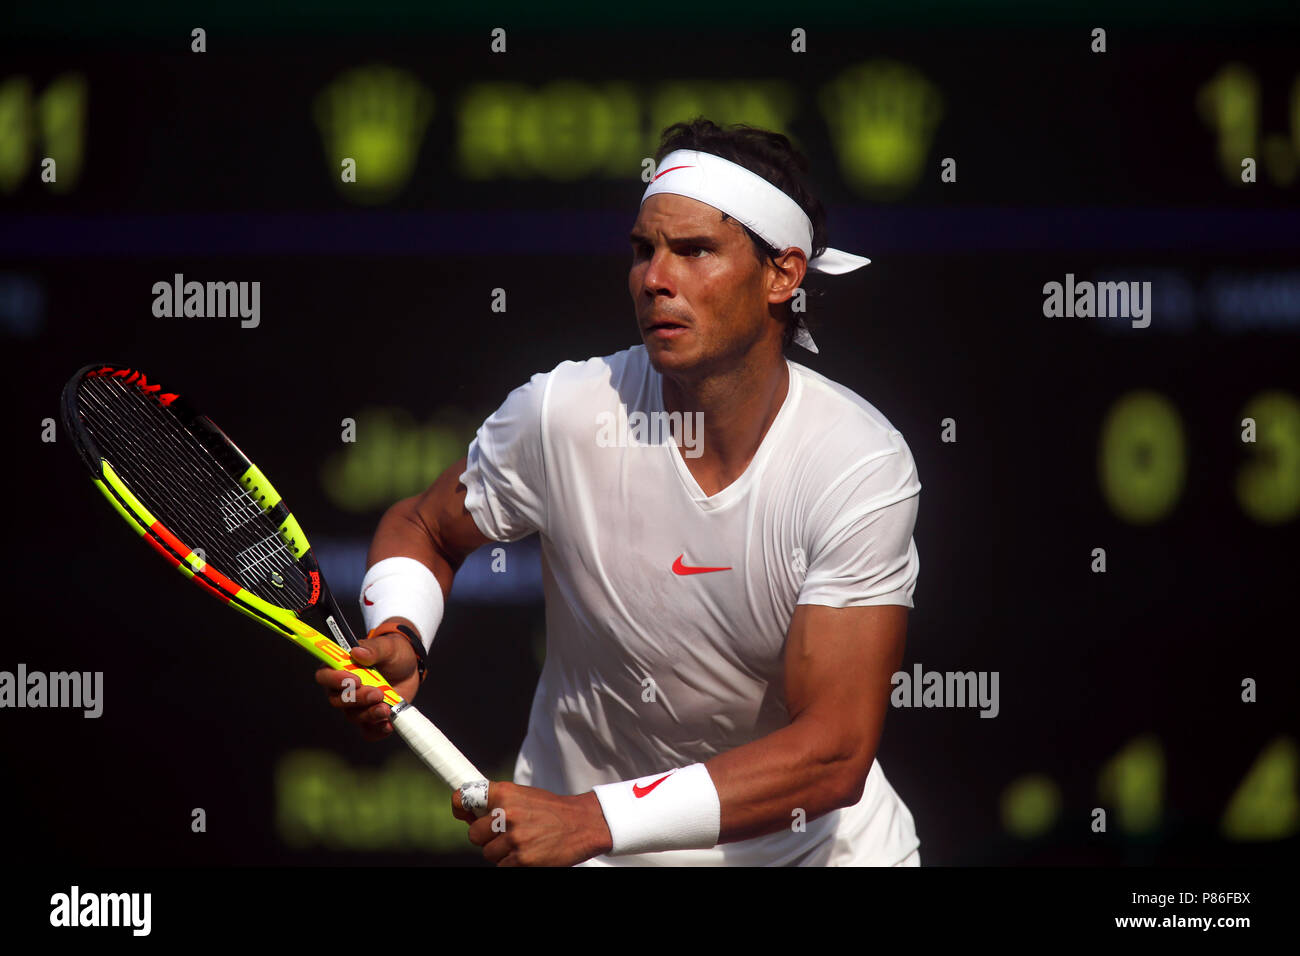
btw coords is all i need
(648, 668)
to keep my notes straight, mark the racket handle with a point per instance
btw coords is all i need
(441, 756)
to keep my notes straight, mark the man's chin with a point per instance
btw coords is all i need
(668, 356)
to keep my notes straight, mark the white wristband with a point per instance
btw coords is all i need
(402, 587)
(676, 810)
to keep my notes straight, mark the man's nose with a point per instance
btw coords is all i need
(657, 276)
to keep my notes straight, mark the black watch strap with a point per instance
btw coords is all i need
(421, 659)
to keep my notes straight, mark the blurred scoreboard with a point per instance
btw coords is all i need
(1020, 118)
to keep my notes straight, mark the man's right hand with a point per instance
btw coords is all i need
(436, 529)
(391, 655)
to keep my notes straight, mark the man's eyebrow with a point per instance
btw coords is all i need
(635, 236)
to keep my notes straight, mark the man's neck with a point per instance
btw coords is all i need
(738, 407)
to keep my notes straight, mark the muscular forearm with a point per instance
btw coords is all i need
(764, 784)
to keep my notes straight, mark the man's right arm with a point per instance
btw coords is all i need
(434, 528)
(437, 530)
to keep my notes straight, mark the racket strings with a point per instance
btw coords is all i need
(190, 458)
(182, 482)
(266, 555)
(167, 437)
(202, 467)
(126, 438)
(128, 466)
(238, 508)
(133, 461)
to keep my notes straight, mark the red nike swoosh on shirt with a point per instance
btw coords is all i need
(639, 792)
(679, 568)
(366, 599)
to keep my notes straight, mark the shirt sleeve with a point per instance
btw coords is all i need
(861, 551)
(505, 474)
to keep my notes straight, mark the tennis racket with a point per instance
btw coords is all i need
(197, 500)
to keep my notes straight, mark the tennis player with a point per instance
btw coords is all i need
(724, 607)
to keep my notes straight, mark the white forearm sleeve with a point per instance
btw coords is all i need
(402, 587)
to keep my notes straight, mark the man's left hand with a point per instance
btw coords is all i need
(527, 826)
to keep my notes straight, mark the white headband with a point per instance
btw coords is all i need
(751, 200)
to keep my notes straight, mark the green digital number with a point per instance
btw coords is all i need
(1265, 806)
(1268, 486)
(16, 137)
(61, 113)
(1229, 104)
(1143, 458)
(1133, 783)
(1031, 805)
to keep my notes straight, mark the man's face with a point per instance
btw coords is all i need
(700, 292)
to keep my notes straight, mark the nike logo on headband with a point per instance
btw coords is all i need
(669, 170)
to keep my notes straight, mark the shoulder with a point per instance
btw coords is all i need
(578, 389)
(610, 369)
(846, 431)
(591, 374)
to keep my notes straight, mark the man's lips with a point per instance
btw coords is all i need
(664, 324)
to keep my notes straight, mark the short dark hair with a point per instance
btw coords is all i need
(768, 154)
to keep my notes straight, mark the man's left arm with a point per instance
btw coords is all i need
(838, 666)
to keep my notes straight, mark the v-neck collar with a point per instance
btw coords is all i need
(738, 488)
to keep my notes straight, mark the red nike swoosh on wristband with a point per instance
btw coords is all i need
(679, 568)
(639, 792)
(367, 600)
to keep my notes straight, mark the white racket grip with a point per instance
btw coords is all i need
(441, 756)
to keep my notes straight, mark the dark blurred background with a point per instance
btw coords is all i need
(521, 170)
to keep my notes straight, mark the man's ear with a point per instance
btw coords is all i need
(789, 269)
